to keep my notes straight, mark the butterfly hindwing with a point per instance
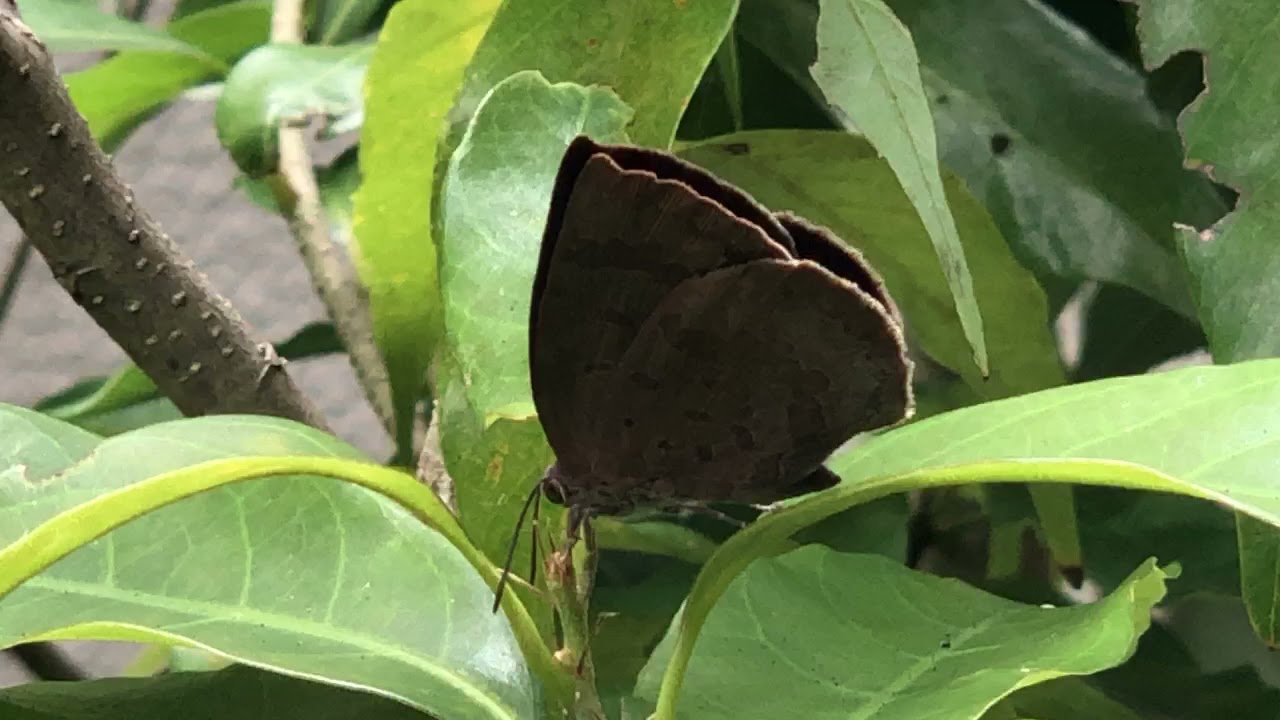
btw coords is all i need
(744, 380)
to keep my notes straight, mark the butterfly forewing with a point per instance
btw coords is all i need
(618, 241)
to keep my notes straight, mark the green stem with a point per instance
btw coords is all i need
(569, 582)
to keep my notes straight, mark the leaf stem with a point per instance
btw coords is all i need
(297, 192)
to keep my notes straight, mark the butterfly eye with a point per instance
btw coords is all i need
(554, 492)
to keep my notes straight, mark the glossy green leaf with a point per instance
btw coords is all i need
(763, 95)
(71, 26)
(237, 692)
(1162, 680)
(868, 69)
(1088, 194)
(493, 468)
(838, 180)
(632, 604)
(1093, 193)
(339, 21)
(1056, 514)
(416, 68)
(118, 94)
(862, 636)
(1235, 265)
(338, 182)
(1124, 432)
(288, 83)
(1124, 527)
(1259, 546)
(1068, 698)
(261, 572)
(494, 203)
(1209, 430)
(651, 54)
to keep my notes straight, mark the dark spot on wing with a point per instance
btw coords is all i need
(742, 437)
(1000, 143)
(738, 148)
(645, 382)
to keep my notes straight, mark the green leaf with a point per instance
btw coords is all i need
(1260, 576)
(260, 572)
(1235, 264)
(1067, 698)
(493, 469)
(763, 95)
(338, 182)
(651, 54)
(1127, 333)
(118, 94)
(239, 692)
(339, 21)
(416, 68)
(837, 180)
(632, 604)
(1092, 193)
(288, 83)
(1056, 513)
(862, 636)
(1162, 680)
(1123, 527)
(68, 26)
(1089, 194)
(1125, 432)
(494, 202)
(868, 69)
(1207, 432)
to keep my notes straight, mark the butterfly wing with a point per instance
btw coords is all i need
(625, 227)
(743, 381)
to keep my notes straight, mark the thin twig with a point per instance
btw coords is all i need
(13, 276)
(298, 194)
(114, 260)
(431, 467)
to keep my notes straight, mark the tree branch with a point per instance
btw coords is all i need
(298, 195)
(114, 259)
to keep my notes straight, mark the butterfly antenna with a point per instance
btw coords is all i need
(534, 494)
(535, 542)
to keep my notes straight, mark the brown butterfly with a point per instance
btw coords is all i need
(687, 346)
